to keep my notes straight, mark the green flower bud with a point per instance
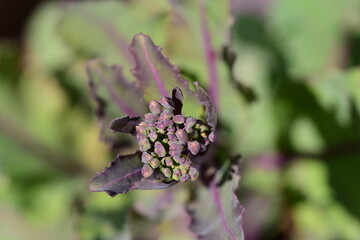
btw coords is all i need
(146, 171)
(154, 163)
(176, 174)
(167, 172)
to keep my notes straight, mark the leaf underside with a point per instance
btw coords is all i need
(124, 174)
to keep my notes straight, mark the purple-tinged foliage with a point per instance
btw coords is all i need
(217, 213)
(125, 174)
(173, 144)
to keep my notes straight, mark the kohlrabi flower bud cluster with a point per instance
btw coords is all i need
(168, 141)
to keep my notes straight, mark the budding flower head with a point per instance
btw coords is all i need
(169, 140)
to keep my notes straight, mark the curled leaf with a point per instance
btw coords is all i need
(125, 124)
(112, 93)
(205, 100)
(124, 174)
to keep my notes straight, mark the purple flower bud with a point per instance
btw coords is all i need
(155, 107)
(194, 147)
(160, 126)
(176, 174)
(206, 142)
(146, 171)
(182, 136)
(171, 129)
(172, 137)
(169, 162)
(194, 173)
(151, 117)
(146, 157)
(166, 102)
(184, 178)
(153, 136)
(168, 123)
(159, 149)
(179, 159)
(175, 153)
(190, 122)
(152, 125)
(141, 131)
(167, 172)
(212, 137)
(176, 146)
(185, 163)
(154, 163)
(179, 119)
(144, 144)
(165, 115)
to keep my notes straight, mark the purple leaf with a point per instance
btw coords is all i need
(205, 100)
(112, 94)
(124, 174)
(217, 213)
(155, 74)
(125, 124)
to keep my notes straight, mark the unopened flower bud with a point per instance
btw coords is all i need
(151, 117)
(184, 178)
(167, 172)
(146, 157)
(176, 146)
(168, 123)
(179, 159)
(155, 107)
(141, 131)
(188, 130)
(194, 147)
(203, 135)
(154, 163)
(143, 124)
(182, 136)
(175, 153)
(169, 162)
(147, 171)
(159, 149)
(153, 136)
(165, 115)
(212, 137)
(172, 137)
(144, 144)
(176, 174)
(171, 129)
(179, 119)
(190, 122)
(193, 173)
(203, 128)
(165, 102)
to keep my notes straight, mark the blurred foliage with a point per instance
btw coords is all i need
(299, 132)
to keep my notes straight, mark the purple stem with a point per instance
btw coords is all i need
(218, 204)
(157, 78)
(121, 178)
(122, 106)
(210, 55)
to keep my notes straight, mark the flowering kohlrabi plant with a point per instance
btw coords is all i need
(174, 128)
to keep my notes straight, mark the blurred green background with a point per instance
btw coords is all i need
(289, 75)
